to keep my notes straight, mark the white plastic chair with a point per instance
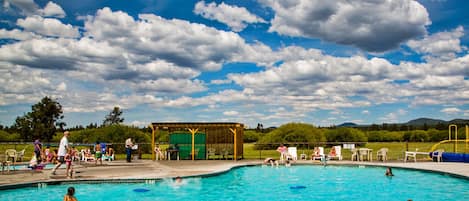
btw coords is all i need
(211, 152)
(319, 154)
(382, 154)
(20, 155)
(438, 154)
(292, 153)
(10, 153)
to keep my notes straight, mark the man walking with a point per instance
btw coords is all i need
(63, 150)
(128, 148)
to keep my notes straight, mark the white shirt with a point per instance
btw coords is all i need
(128, 143)
(63, 146)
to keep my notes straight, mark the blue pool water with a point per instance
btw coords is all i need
(25, 167)
(258, 183)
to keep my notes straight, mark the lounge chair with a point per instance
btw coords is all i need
(438, 154)
(318, 153)
(292, 153)
(382, 154)
(336, 152)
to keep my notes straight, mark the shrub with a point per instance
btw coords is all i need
(344, 134)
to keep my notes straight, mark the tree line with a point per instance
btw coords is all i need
(44, 122)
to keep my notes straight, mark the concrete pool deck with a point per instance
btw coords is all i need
(147, 169)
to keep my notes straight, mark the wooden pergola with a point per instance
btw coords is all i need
(216, 133)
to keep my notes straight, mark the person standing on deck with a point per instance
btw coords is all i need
(128, 148)
(63, 150)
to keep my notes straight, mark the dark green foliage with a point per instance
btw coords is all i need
(416, 136)
(294, 132)
(113, 117)
(251, 136)
(344, 134)
(7, 137)
(385, 136)
(114, 134)
(437, 135)
(41, 122)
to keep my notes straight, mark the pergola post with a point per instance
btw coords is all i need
(193, 132)
(153, 142)
(233, 130)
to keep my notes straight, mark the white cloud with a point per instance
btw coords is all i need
(365, 112)
(53, 10)
(48, 27)
(450, 110)
(218, 82)
(26, 7)
(442, 45)
(175, 41)
(17, 34)
(370, 25)
(231, 113)
(237, 18)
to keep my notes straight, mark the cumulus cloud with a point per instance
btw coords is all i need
(24, 85)
(17, 34)
(29, 8)
(175, 41)
(53, 10)
(450, 110)
(48, 27)
(374, 26)
(237, 18)
(443, 45)
(26, 7)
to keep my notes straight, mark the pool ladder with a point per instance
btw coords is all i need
(41, 185)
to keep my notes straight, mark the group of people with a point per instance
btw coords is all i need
(64, 154)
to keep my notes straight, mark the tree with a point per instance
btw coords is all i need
(42, 121)
(113, 117)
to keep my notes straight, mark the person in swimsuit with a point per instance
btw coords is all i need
(389, 172)
(70, 196)
(271, 161)
(68, 163)
(98, 154)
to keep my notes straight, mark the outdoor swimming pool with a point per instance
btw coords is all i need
(302, 182)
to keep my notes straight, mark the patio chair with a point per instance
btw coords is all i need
(438, 154)
(318, 153)
(20, 155)
(382, 154)
(364, 154)
(292, 153)
(10, 153)
(211, 152)
(354, 154)
(336, 152)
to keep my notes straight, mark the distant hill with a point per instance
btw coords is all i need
(416, 122)
(348, 124)
(427, 121)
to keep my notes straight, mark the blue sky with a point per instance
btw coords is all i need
(253, 61)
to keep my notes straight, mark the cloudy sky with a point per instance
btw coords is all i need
(250, 61)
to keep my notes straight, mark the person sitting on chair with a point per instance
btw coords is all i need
(332, 153)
